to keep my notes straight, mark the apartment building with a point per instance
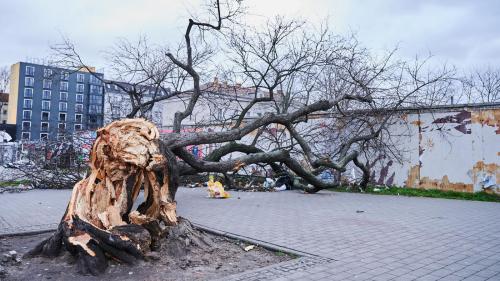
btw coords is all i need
(47, 102)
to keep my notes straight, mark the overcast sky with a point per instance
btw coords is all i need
(465, 33)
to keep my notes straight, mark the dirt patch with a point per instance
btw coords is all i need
(227, 258)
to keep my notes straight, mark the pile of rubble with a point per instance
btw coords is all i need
(8, 259)
(15, 188)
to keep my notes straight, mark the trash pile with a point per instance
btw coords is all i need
(281, 184)
(15, 188)
(216, 190)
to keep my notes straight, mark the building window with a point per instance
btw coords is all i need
(80, 78)
(47, 84)
(80, 88)
(79, 98)
(45, 105)
(94, 89)
(45, 116)
(64, 76)
(46, 94)
(30, 71)
(63, 106)
(26, 114)
(79, 108)
(95, 109)
(45, 127)
(28, 103)
(29, 81)
(62, 117)
(62, 126)
(28, 92)
(25, 136)
(63, 96)
(78, 118)
(47, 73)
(63, 86)
(78, 127)
(44, 136)
(95, 99)
(95, 80)
(26, 125)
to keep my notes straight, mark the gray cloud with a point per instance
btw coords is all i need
(460, 32)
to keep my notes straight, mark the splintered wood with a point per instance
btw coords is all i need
(99, 222)
(124, 157)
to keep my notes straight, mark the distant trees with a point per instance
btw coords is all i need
(481, 85)
(4, 79)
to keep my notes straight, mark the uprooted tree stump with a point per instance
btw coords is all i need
(99, 222)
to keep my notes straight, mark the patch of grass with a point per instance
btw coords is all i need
(433, 193)
(13, 183)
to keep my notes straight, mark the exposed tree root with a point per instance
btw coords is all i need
(99, 223)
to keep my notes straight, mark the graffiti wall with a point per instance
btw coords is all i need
(448, 149)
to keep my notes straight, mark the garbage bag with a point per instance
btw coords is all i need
(268, 183)
(280, 188)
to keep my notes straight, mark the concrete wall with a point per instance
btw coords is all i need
(452, 149)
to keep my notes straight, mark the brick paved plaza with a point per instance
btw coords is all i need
(341, 236)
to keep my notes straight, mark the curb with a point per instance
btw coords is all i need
(261, 243)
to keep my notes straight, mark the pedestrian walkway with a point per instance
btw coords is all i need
(341, 236)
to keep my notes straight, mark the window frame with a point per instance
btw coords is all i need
(23, 133)
(31, 115)
(81, 118)
(22, 126)
(47, 84)
(29, 84)
(45, 108)
(82, 76)
(78, 86)
(48, 116)
(78, 105)
(30, 95)
(59, 126)
(64, 89)
(29, 73)
(66, 96)
(50, 94)
(64, 76)
(65, 117)
(48, 72)
(41, 126)
(82, 99)
(65, 106)
(30, 104)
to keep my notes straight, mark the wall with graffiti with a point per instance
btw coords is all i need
(447, 149)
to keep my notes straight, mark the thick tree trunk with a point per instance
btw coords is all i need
(99, 222)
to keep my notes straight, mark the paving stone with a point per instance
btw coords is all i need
(401, 237)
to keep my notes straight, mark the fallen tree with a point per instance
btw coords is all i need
(295, 75)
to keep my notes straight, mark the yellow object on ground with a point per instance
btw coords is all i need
(216, 190)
